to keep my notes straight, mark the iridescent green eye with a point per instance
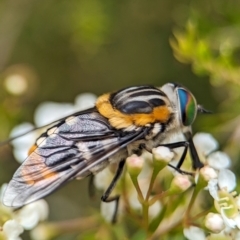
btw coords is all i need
(187, 106)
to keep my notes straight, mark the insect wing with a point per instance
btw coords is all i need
(70, 149)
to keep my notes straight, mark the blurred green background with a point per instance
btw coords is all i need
(63, 48)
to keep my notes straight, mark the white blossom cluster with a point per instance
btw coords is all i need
(27, 218)
(221, 182)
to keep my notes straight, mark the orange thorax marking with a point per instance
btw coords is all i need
(121, 120)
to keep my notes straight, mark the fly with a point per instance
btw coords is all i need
(122, 123)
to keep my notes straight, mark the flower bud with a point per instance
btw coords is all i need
(134, 165)
(179, 184)
(208, 173)
(161, 157)
(205, 175)
(214, 222)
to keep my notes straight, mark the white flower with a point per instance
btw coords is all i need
(25, 218)
(221, 182)
(30, 215)
(194, 233)
(226, 180)
(12, 229)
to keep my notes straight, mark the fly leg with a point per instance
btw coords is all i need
(185, 144)
(106, 196)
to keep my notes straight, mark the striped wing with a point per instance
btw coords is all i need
(73, 148)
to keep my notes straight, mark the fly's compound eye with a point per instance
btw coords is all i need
(187, 106)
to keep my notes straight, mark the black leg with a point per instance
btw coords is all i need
(196, 163)
(185, 145)
(194, 155)
(106, 196)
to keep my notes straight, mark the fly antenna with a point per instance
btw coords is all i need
(201, 109)
(21, 135)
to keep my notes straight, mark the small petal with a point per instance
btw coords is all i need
(194, 233)
(228, 221)
(12, 229)
(20, 154)
(30, 215)
(214, 222)
(22, 145)
(48, 112)
(205, 143)
(226, 180)
(25, 139)
(85, 100)
(213, 188)
(218, 160)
